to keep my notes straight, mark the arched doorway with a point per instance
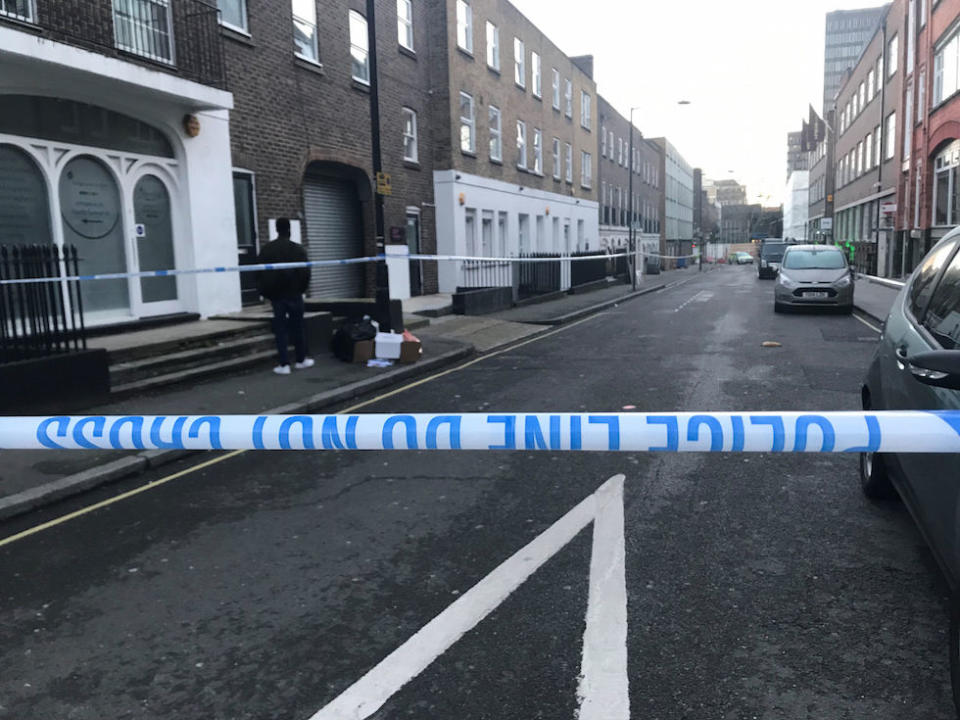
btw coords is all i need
(151, 212)
(92, 216)
(334, 231)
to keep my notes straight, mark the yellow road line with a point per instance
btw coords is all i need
(353, 408)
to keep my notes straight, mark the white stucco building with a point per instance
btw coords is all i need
(796, 205)
(128, 163)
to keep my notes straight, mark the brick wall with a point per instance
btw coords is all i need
(290, 112)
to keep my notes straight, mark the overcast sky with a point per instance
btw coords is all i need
(749, 67)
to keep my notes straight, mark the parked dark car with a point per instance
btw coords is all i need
(814, 276)
(917, 367)
(771, 255)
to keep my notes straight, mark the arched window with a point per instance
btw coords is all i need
(80, 124)
(24, 205)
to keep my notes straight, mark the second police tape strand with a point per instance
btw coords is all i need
(321, 263)
(843, 432)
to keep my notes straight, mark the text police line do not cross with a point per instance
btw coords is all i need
(849, 432)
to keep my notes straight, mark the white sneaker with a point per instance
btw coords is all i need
(307, 363)
(282, 369)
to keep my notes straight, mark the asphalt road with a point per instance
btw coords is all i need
(265, 585)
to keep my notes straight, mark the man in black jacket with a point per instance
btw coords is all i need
(284, 289)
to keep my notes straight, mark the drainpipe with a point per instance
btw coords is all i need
(883, 128)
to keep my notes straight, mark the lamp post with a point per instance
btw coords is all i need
(382, 281)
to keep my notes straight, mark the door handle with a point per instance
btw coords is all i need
(901, 353)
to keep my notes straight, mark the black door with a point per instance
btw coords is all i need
(247, 247)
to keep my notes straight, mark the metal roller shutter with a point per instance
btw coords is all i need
(333, 233)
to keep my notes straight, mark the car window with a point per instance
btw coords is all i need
(827, 259)
(921, 287)
(943, 314)
(772, 252)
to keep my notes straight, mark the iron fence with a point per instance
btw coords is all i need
(587, 271)
(475, 274)
(39, 319)
(539, 278)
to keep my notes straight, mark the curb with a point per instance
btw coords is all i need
(583, 312)
(126, 467)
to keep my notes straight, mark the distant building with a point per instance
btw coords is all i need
(677, 235)
(796, 156)
(847, 34)
(737, 222)
(729, 192)
(822, 181)
(796, 205)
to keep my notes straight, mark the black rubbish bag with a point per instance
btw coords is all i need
(350, 333)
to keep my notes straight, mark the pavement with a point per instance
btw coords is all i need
(297, 584)
(30, 479)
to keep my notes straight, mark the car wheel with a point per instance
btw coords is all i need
(874, 478)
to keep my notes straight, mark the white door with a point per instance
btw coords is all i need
(153, 248)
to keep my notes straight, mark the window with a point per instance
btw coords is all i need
(586, 169)
(610, 143)
(496, 134)
(879, 73)
(911, 37)
(556, 158)
(519, 63)
(876, 146)
(568, 159)
(568, 97)
(585, 110)
(537, 151)
(868, 150)
(556, 89)
(603, 141)
(405, 23)
(141, 27)
(923, 13)
(19, 9)
(922, 95)
(464, 26)
(946, 189)
(620, 151)
(493, 46)
(305, 30)
(943, 313)
(233, 13)
(945, 61)
(859, 159)
(521, 144)
(891, 136)
(922, 285)
(359, 57)
(535, 72)
(468, 134)
(862, 96)
(871, 89)
(907, 130)
(410, 135)
(893, 48)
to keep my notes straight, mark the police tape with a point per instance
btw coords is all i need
(318, 263)
(830, 432)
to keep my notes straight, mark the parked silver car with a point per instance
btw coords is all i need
(814, 276)
(917, 367)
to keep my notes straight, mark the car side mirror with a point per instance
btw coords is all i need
(938, 368)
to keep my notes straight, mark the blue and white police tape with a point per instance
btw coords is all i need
(319, 263)
(845, 432)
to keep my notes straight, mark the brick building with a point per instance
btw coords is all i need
(515, 137)
(868, 150)
(301, 131)
(822, 182)
(614, 178)
(114, 138)
(929, 200)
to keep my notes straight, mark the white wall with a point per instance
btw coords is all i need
(484, 194)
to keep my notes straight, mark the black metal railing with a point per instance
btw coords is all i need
(39, 319)
(539, 278)
(587, 271)
(476, 274)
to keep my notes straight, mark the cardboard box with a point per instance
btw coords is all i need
(387, 346)
(410, 351)
(362, 351)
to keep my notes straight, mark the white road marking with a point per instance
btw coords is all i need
(702, 296)
(869, 325)
(603, 687)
